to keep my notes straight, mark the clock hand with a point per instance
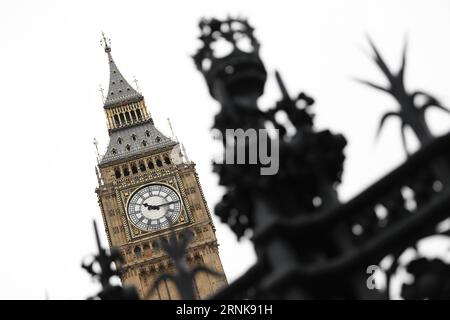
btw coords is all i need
(168, 203)
(156, 207)
(150, 207)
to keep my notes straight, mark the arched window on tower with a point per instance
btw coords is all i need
(122, 119)
(126, 171)
(159, 162)
(133, 115)
(150, 164)
(116, 120)
(117, 173)
(139, 115)
(137, 251)
(134, 168)
(127, 116)
(142, 166)
(167, 160)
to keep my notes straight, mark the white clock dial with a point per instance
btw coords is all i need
(153, 206)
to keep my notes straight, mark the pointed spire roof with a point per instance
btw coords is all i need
(119, 91)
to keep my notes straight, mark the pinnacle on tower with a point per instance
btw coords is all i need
(119, 91)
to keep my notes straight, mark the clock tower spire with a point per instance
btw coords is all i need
(145, 186)
(123, 105)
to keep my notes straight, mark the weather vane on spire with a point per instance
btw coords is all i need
(106, 43)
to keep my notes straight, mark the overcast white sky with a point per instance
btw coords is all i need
(51, 66)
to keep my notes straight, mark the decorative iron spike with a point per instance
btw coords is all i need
(105, 262)
(184, 277)
(411, 114)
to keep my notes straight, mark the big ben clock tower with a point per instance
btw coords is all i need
(145, 186)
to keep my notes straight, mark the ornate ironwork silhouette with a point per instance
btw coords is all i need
(184, 276)
(431, 280)
(412, 111)
(308, 244)
(103, 268)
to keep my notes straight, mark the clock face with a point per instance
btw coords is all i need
(153, 206)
